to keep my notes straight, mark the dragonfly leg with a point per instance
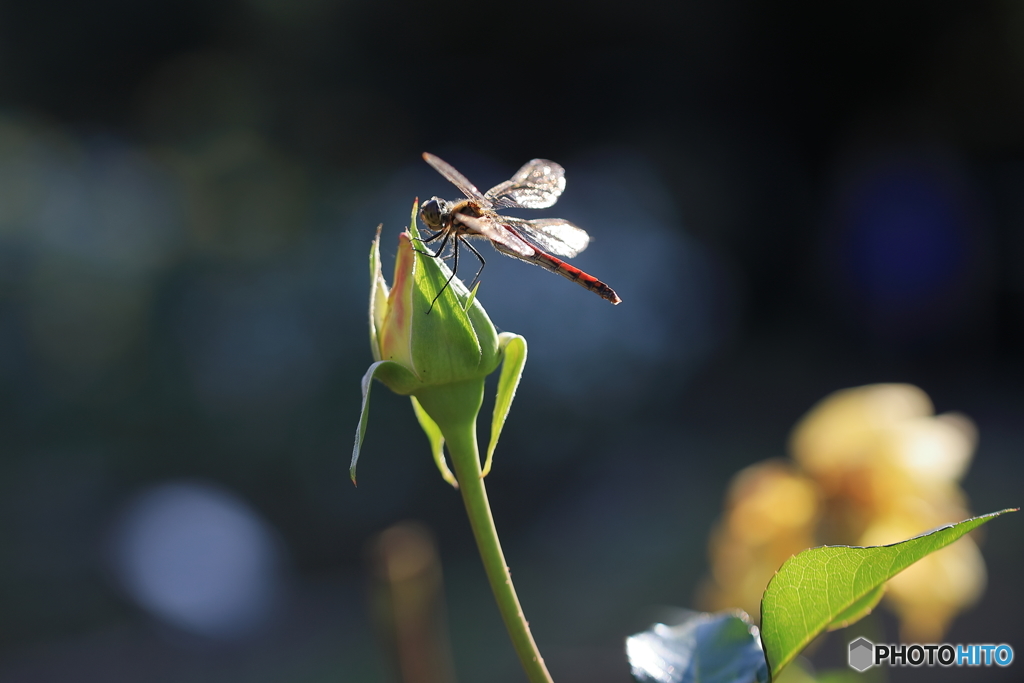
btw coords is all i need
(483, 263)
(455, 269)
(431, 239)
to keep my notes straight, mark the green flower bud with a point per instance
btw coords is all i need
(436, 348)
(440, 344)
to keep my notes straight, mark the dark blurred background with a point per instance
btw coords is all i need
(790, 197)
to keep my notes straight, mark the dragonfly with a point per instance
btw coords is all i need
(537, 185)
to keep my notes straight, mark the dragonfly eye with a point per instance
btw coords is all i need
(430, 213)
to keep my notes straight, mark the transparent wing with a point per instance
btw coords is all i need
(553, 235)
(490, 228)
(454, 177)
(537, 185)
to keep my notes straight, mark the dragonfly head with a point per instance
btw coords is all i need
(431, 212)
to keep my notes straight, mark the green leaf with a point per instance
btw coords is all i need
(797, 672)
(395, 373)
(858, 610)
(436, 439)
(513, 348)
(709, 648)
(841, 676)
(822, 585)
(801, 671)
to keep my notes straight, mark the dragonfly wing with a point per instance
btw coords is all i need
(553, 235)
(498, 234)
(537, 185)
(454, 177)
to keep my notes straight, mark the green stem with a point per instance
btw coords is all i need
(459, 431)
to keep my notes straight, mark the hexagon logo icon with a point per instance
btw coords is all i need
(862, 652)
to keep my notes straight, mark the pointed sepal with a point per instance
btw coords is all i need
(393, 374)
(513, 354)
(436, 440)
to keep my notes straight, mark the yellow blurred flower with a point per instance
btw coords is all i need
(873, 465)
(771, 513)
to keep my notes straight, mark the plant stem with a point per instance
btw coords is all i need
(462, 446)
